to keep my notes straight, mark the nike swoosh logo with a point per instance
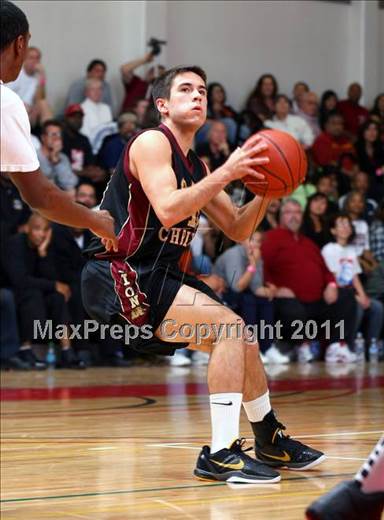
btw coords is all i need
(238, 465)
(225, 404)
(284, 458)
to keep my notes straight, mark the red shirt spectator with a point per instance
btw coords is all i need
(292, 261)
(332, 144)
(354, 114)
(296, 263)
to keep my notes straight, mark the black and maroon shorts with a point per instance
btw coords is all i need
(115, 292)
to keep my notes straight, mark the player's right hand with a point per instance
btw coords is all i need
(244, 160)
(104, 228)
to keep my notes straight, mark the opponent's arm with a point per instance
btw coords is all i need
(151, 162)
(54, 204)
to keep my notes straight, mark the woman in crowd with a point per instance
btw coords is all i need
(377, 113)
(328, 104)
(315, 220)
(370, 153)
(261, 101)
(217, 107)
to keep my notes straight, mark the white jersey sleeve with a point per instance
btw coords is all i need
(17, 153)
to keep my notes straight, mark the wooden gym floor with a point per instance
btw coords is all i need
(117, 444)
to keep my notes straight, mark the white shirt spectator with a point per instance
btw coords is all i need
(17, 151)
(342, 262)
(60, 173)
(294, 125)
(95, 116)
(25, 86)
(361, 240)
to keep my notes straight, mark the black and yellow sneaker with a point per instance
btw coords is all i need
(233, 465)
(274, 448)
(347, 501)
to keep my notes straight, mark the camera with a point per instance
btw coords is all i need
(155, 45)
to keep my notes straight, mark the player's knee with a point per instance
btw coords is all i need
(230, 327)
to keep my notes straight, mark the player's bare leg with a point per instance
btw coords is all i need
(225, 460)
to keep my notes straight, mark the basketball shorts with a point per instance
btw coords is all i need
(115, 292)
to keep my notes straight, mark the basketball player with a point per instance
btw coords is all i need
(18, 156)
(357, 499)
(155, 195)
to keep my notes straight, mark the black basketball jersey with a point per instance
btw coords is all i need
(142, 238)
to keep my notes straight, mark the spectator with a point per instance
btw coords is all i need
(354, 114)
(135, 87)
(354, 205)
(241, 267)
(9, 336)
(342, 261)
(271, 218)
(77, 147)
(377, 113)
(360, 183)
(39, 295)
(299, 88)
(326, 181)
(376, 234)
(86, 194)
(14, 213)
(96, 113)
(113, 145)
(333, 147)
(140, 109)
(306, 290)
(30, 87)
(217, 150)
(370, 154)
(261, 101)
(315, 220)
(328, 104)
(54, 164)
(308, 106)
(293, 125)
(96, 69)
(217, 109)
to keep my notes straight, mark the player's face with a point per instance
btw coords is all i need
(38, 229)
(187, 103)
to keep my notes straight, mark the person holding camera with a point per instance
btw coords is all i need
(136, 87)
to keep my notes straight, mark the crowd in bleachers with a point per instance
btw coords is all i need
(318, 256)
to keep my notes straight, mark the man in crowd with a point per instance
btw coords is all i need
(96, 113)
(308, 106)
(354, 114)
(97, 69)
(77, 147)
(114, 144)
(53, 163)
(306, 289)
(135, 87)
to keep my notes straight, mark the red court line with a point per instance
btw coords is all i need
(94, 392)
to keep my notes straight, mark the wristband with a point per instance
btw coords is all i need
(251, 269)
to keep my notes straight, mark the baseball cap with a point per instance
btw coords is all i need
(73, 109)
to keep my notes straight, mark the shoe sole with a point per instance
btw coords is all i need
(233, 477)
(305, 467)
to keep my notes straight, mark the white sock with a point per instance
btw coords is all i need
(225, 419)
(371, 474)
(257, 409)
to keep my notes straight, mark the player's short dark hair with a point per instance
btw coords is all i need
(14, 23)
(162, 85)
(93, 64)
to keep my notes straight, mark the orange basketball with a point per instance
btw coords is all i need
(286, 169)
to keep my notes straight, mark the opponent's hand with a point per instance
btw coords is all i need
(105, 229)
(243, 160)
